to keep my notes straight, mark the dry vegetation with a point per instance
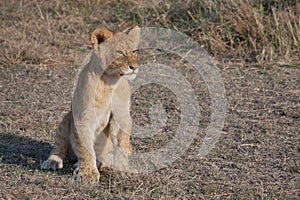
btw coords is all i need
(257, 42)
(252, 31)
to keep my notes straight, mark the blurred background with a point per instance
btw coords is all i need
(250, 31)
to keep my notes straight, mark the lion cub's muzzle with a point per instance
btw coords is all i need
(131, 73)
(134, 68)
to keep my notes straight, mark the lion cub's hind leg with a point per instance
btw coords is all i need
(62, 145)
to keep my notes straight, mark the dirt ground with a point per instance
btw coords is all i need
(256, 157)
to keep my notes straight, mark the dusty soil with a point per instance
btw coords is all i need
(257, 155)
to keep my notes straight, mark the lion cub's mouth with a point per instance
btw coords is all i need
(123, 74)
(130, 76)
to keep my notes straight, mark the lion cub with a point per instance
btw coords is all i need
(98, 127)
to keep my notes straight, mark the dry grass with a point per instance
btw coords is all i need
(253, 31)
(249, 30)
(44, 42)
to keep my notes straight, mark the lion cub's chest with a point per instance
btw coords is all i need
(103, 106)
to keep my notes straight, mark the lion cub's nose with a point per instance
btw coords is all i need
(132, 67)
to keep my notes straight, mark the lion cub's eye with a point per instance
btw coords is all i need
(134, 52)
(121, 53)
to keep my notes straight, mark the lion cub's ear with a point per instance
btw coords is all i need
(99, 35)
(135, 32)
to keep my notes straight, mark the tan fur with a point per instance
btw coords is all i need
(100, 108)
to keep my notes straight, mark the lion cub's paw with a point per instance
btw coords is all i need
(86, 175)
(121, 161)
(54, 162)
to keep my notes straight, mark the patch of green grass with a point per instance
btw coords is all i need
(297, 114)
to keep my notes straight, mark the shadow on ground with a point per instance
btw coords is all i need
(24, 151)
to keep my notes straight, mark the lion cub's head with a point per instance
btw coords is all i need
(117, 51)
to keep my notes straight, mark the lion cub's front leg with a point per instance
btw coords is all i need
(82, 142)
(120, 136)
(113, 146)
